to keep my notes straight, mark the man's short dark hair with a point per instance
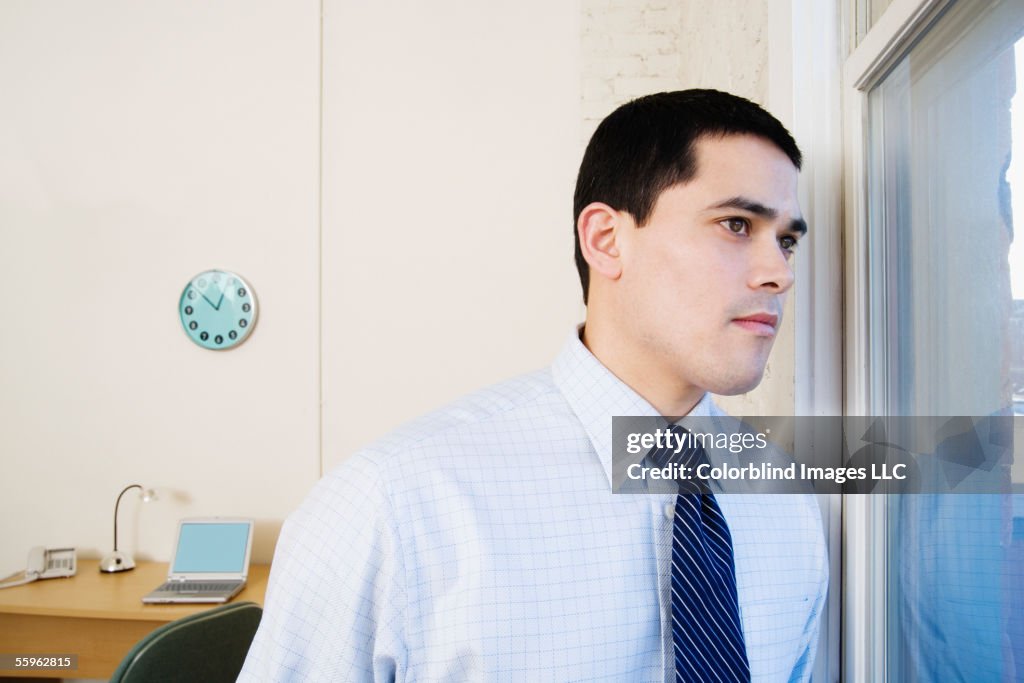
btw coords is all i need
(646, 146)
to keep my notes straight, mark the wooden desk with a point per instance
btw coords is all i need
(93, 615)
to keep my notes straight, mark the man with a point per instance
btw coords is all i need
(483, 542)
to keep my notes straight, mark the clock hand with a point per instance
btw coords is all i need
(216, 306)
(220, 301)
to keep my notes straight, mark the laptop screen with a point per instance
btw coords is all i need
(211, 547)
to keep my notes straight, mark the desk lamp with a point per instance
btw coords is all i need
(118, 561)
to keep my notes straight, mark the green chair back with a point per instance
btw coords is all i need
(207, 646)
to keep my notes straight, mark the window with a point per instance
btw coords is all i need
(936, 292)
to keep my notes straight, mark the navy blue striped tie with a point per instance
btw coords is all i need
(707, 636)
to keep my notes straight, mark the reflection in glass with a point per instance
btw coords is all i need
(947, 310)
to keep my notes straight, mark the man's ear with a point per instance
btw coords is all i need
(598, 228)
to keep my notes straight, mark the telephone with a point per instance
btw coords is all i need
(46, 564)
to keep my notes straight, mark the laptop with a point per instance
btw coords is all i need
(210, 562)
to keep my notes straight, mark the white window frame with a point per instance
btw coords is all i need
(864, 519)
(804, 92)
(819, 84)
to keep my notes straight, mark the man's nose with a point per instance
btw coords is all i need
(770, 267)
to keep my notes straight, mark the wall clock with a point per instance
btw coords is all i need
(217, 309)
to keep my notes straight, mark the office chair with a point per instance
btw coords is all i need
(208, 646)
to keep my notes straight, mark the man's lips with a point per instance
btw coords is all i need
(762, 324)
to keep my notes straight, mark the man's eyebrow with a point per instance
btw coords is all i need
(797, 225)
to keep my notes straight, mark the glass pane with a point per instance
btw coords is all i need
(947, 309)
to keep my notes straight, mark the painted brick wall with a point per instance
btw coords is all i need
(635, 47)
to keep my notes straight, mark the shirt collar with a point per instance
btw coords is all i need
(596, 395)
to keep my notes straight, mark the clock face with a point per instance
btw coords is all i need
(217, 309)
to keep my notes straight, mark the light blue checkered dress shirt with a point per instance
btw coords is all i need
(483, 543)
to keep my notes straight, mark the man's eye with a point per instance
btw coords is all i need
(787, 243)
(740, 226)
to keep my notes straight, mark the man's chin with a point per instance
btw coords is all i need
(739, 384)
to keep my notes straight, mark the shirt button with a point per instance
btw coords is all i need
(670, 510)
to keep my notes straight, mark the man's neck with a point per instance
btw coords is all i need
(670, 397)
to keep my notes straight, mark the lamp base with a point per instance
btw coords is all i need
(117, 561)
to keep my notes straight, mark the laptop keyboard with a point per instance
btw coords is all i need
(197, 587)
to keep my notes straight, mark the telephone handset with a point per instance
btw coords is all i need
(47, 564)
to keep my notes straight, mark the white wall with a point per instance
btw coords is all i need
(450, 152)
(141, 143)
